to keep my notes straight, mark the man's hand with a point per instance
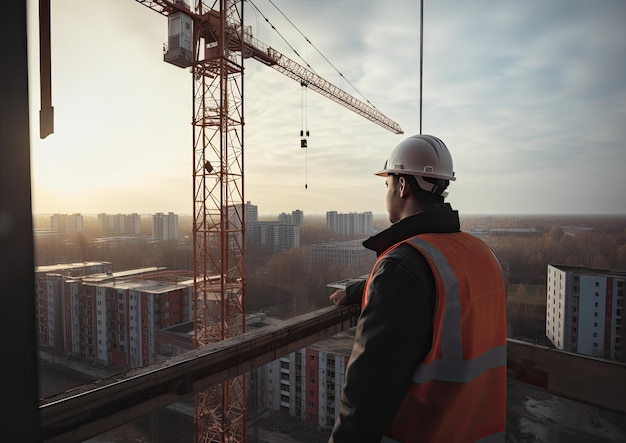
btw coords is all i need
(339, 297)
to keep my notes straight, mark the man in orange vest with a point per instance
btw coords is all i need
(429, 357)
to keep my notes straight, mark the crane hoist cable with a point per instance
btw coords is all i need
(304, 131)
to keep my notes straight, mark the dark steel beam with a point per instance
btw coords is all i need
(19, 420)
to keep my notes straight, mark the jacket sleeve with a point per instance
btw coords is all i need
(354, 291)
(393, 334)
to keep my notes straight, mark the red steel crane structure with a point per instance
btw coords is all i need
(213, 42)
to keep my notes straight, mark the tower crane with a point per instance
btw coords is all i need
(213, 42)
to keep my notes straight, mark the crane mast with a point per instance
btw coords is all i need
(220, 45)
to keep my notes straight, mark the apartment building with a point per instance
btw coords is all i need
(109, 318)
(274, 235)
(165, 226)
(584, 310)
(296, 217)
(119, 224)
(352, 223)
(251, 213)
(66, 223)
(306, 383)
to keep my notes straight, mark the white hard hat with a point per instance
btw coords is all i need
(421, 156)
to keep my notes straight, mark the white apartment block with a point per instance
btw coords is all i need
(67, 223)
(119, 224)
(165, 226)
(584, 310)
(352, 223)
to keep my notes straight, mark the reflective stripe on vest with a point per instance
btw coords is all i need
(451, 367)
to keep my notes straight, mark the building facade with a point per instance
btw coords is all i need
(296, 217)
(119, 224)
(66, 223)
(251, 213)
(274, 236)
(165, 226)
(584, 310)
(352, 223)
(108, 318)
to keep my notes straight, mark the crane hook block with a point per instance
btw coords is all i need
(303, 143)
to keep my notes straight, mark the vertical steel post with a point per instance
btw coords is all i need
(19, 378)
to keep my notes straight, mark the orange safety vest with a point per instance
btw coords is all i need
(458, 393)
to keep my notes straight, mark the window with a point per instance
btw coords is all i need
(595, 345)
(595, 304)
(597, 284)
(595, 334)
(595, 314)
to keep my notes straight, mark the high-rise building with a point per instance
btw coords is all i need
(67, 223)
(296, 217)
(251, 213)
(352, 223)
(119, 224)
(165, 226)
(584, 310)
(274, 236)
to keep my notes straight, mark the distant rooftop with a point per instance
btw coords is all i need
(588, 270)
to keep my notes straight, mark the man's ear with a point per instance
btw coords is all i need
(402, 186)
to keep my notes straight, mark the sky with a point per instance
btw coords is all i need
(529, 97)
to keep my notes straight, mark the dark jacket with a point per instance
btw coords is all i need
(394, 331)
